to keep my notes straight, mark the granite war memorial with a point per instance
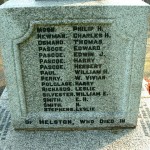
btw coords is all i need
(73, 64)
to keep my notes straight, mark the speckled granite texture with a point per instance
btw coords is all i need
(120, 44)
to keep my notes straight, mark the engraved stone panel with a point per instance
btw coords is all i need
(70, 68)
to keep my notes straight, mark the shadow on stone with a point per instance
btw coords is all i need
(1, 90)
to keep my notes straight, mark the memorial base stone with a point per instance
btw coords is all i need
(120, 139)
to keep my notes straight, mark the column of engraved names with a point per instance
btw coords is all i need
(88, 50)
(52, 60)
